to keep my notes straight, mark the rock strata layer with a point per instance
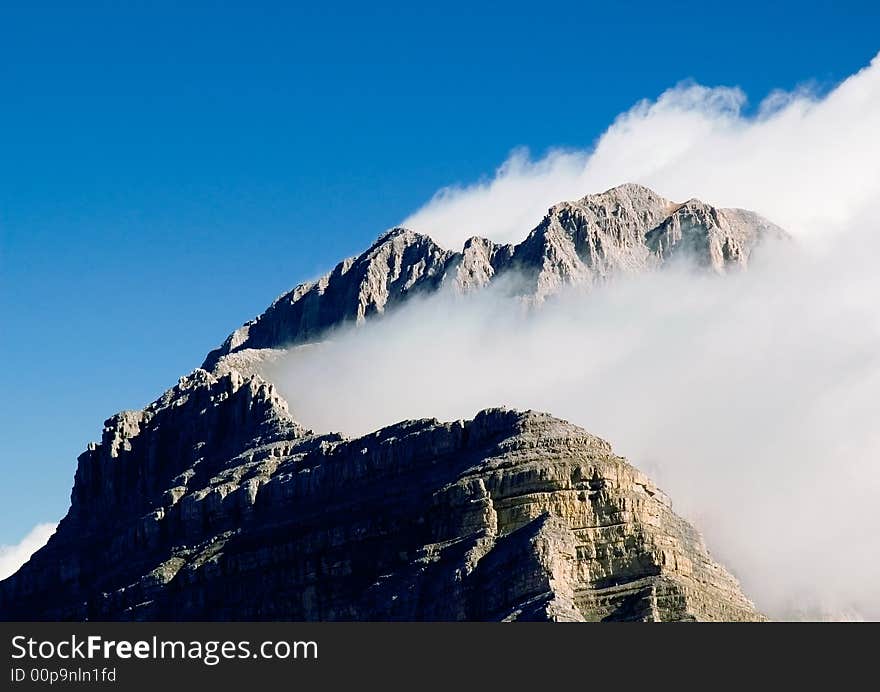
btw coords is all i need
(213, 503)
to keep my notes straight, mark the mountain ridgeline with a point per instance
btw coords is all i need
(214, 503)
(625, 230)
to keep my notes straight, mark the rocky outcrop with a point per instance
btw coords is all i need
(718, 238)
(400, 263)
(625, 230)
(478, 263)
(510, 516)
(588, 240)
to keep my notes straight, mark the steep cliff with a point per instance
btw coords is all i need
(510, 516)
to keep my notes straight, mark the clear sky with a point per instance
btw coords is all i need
(165, 173)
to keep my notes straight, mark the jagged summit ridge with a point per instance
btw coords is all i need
(626, 229)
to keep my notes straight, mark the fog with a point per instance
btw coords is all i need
(14, 556)
(806, 160)
(751, 398)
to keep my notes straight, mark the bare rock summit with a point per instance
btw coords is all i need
(212, 503)
(625, 230)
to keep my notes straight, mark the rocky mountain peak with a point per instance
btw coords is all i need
(214, 503)
(510, 516)
(624, 230)
(400, 263)
(629, 229)
(630, 197)
(399, 241)
(205, 417)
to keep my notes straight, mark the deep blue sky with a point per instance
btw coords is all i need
(165, 173)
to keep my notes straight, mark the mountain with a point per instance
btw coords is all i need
(627, 229)
(213, 502)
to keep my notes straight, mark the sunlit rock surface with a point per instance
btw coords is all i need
(214, 504)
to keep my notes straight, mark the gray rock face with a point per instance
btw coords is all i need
(719, 238)
(399, 264)
(627, 229)
(585, 241)
(213, 504)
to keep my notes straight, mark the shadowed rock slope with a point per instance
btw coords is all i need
(213, 503)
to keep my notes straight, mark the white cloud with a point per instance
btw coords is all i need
(14, 556)
(805, 162)
(751, 398)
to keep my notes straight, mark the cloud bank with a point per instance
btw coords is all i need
(14, 556)
(751, 398)
(807, 162)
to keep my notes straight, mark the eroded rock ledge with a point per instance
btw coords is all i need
(213, 503)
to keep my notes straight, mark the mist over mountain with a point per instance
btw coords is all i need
(563, 312)
(806, 158)
(216, 502)
(626, 230)
(749, 396)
